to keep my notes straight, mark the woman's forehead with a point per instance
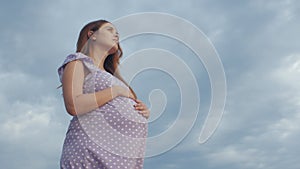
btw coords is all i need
(109, 25)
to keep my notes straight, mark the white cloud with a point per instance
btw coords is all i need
(32, 121)
(25, 119)
(288, 71)
(261, 133)
(286, 127)
(247, 158)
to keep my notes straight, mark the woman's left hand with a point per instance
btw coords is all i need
(142, 108)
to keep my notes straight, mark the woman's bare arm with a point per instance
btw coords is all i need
(76, 102)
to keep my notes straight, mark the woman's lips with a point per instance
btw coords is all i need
(116, 40)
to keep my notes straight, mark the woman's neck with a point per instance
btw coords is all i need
(99, 57)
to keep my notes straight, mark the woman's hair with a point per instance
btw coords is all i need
(112, 60)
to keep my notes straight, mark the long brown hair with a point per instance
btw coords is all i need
(112, 61)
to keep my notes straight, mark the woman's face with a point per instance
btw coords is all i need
(106, 37)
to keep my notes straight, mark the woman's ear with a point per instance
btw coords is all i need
(90, 33)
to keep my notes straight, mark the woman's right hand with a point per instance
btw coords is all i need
(122, 91)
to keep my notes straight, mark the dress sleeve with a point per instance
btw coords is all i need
(87, 62)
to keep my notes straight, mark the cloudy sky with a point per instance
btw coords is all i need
(257, 42)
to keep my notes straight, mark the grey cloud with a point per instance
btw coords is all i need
(259, 125)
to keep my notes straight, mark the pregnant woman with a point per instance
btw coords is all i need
(109, 124)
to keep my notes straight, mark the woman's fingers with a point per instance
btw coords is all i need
(139, 102)
(139, 107)
(145, 113)
(142, 108)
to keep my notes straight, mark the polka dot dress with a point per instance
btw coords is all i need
(112, 136)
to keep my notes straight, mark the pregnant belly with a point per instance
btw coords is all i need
(123, 117)
(125, 106)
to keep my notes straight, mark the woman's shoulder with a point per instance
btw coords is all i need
(77, 56)
(86, 60)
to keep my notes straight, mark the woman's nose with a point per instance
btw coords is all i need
(116, 36)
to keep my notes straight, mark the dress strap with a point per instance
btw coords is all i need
(87, 62)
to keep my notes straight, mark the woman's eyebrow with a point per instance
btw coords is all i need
(110, 27)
